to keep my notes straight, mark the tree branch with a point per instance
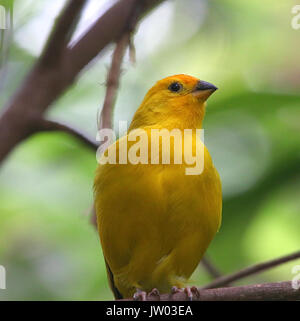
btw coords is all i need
(112, 83)
(111, 25)
(42, 86)
(113, 76)
(50, 125)
(225, 280)
(61, 34)
(279, 291)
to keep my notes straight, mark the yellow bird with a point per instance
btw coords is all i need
(156, 221)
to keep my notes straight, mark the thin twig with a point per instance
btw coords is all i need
(279, 291)
(112, 83)
(210, 268)
(113, 76)
(50, 125)
(224, 280)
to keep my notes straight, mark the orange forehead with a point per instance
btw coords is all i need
(184, 79)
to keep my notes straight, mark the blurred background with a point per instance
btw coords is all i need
(252, 128)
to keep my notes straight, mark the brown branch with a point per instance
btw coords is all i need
(279, 291)
(114, 73)
(42, 86)
(50, 125)
(110, 26)
(112, 82)
(225, 280)
(62, 32)
(210, 268)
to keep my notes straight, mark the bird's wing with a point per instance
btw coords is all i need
(110, 277)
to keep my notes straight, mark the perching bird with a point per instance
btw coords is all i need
(155, 221)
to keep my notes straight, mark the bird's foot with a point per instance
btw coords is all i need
(140, 295)
(191, 292)
(175, 290)
(154, 292)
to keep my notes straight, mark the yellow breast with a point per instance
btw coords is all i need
(155, 221)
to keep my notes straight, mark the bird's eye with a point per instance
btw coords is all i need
(175, 87)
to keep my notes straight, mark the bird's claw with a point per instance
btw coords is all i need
(175, 290)
(140, 295)
(154, 292)
(191, 292)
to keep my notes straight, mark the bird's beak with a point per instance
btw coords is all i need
(203, 90)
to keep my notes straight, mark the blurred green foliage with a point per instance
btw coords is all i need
(252, 128)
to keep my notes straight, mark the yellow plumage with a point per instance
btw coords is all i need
(155, 222)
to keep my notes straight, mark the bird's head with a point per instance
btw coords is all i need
(174, 102)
